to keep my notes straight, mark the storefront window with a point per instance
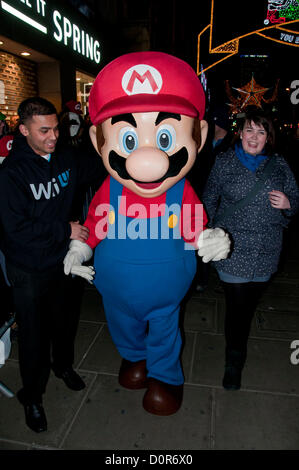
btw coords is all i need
(84, 83)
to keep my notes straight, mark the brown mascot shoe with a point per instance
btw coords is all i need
(161, 398)
(132, 375)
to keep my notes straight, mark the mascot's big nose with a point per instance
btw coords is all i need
(147, 164)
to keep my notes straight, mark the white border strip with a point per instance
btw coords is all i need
(23, 17)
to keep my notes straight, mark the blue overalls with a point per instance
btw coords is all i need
(143, 281)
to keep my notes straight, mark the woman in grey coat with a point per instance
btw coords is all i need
(255, 227)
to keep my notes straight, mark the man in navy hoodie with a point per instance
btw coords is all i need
(38, 183)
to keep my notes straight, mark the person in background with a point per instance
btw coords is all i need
(74, 131)
(4, 128)
(219, 139)
(6, 138)
(71, 123)
(14, 124)
(222, 130)
(255, 225)
(38, 183)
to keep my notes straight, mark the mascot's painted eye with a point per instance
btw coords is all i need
(166, 137)
(128, 140)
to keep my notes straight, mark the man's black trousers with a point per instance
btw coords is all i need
(47, 306)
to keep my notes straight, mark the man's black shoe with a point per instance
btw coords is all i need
(34, 414)
(71, 379)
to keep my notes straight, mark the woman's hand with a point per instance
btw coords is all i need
(279, 200)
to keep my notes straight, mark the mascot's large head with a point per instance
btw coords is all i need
(147, 110)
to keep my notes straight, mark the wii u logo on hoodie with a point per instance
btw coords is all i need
(53, 187)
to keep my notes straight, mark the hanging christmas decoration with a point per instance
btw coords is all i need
(274, 94)
(235, 102)
(281, 11)
(251, 94)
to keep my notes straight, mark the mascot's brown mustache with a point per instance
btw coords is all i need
(177, 161)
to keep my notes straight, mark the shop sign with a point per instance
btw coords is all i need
(56, 24)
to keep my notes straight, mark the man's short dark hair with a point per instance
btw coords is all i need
(35, 106)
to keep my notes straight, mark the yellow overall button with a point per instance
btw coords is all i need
(172, 221)
(111, 217)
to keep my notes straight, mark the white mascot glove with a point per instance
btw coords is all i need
(213, 244)
(77, 254)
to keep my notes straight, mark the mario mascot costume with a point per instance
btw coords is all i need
(146, 221)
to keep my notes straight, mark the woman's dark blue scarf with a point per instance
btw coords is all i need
(252, 162)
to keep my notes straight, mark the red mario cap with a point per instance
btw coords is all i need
(74, 106)
(144, 82)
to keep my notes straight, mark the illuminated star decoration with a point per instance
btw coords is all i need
(253, 93)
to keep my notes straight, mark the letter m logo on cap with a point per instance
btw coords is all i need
(142, 79)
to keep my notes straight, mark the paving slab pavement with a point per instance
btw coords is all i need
(104, 416)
